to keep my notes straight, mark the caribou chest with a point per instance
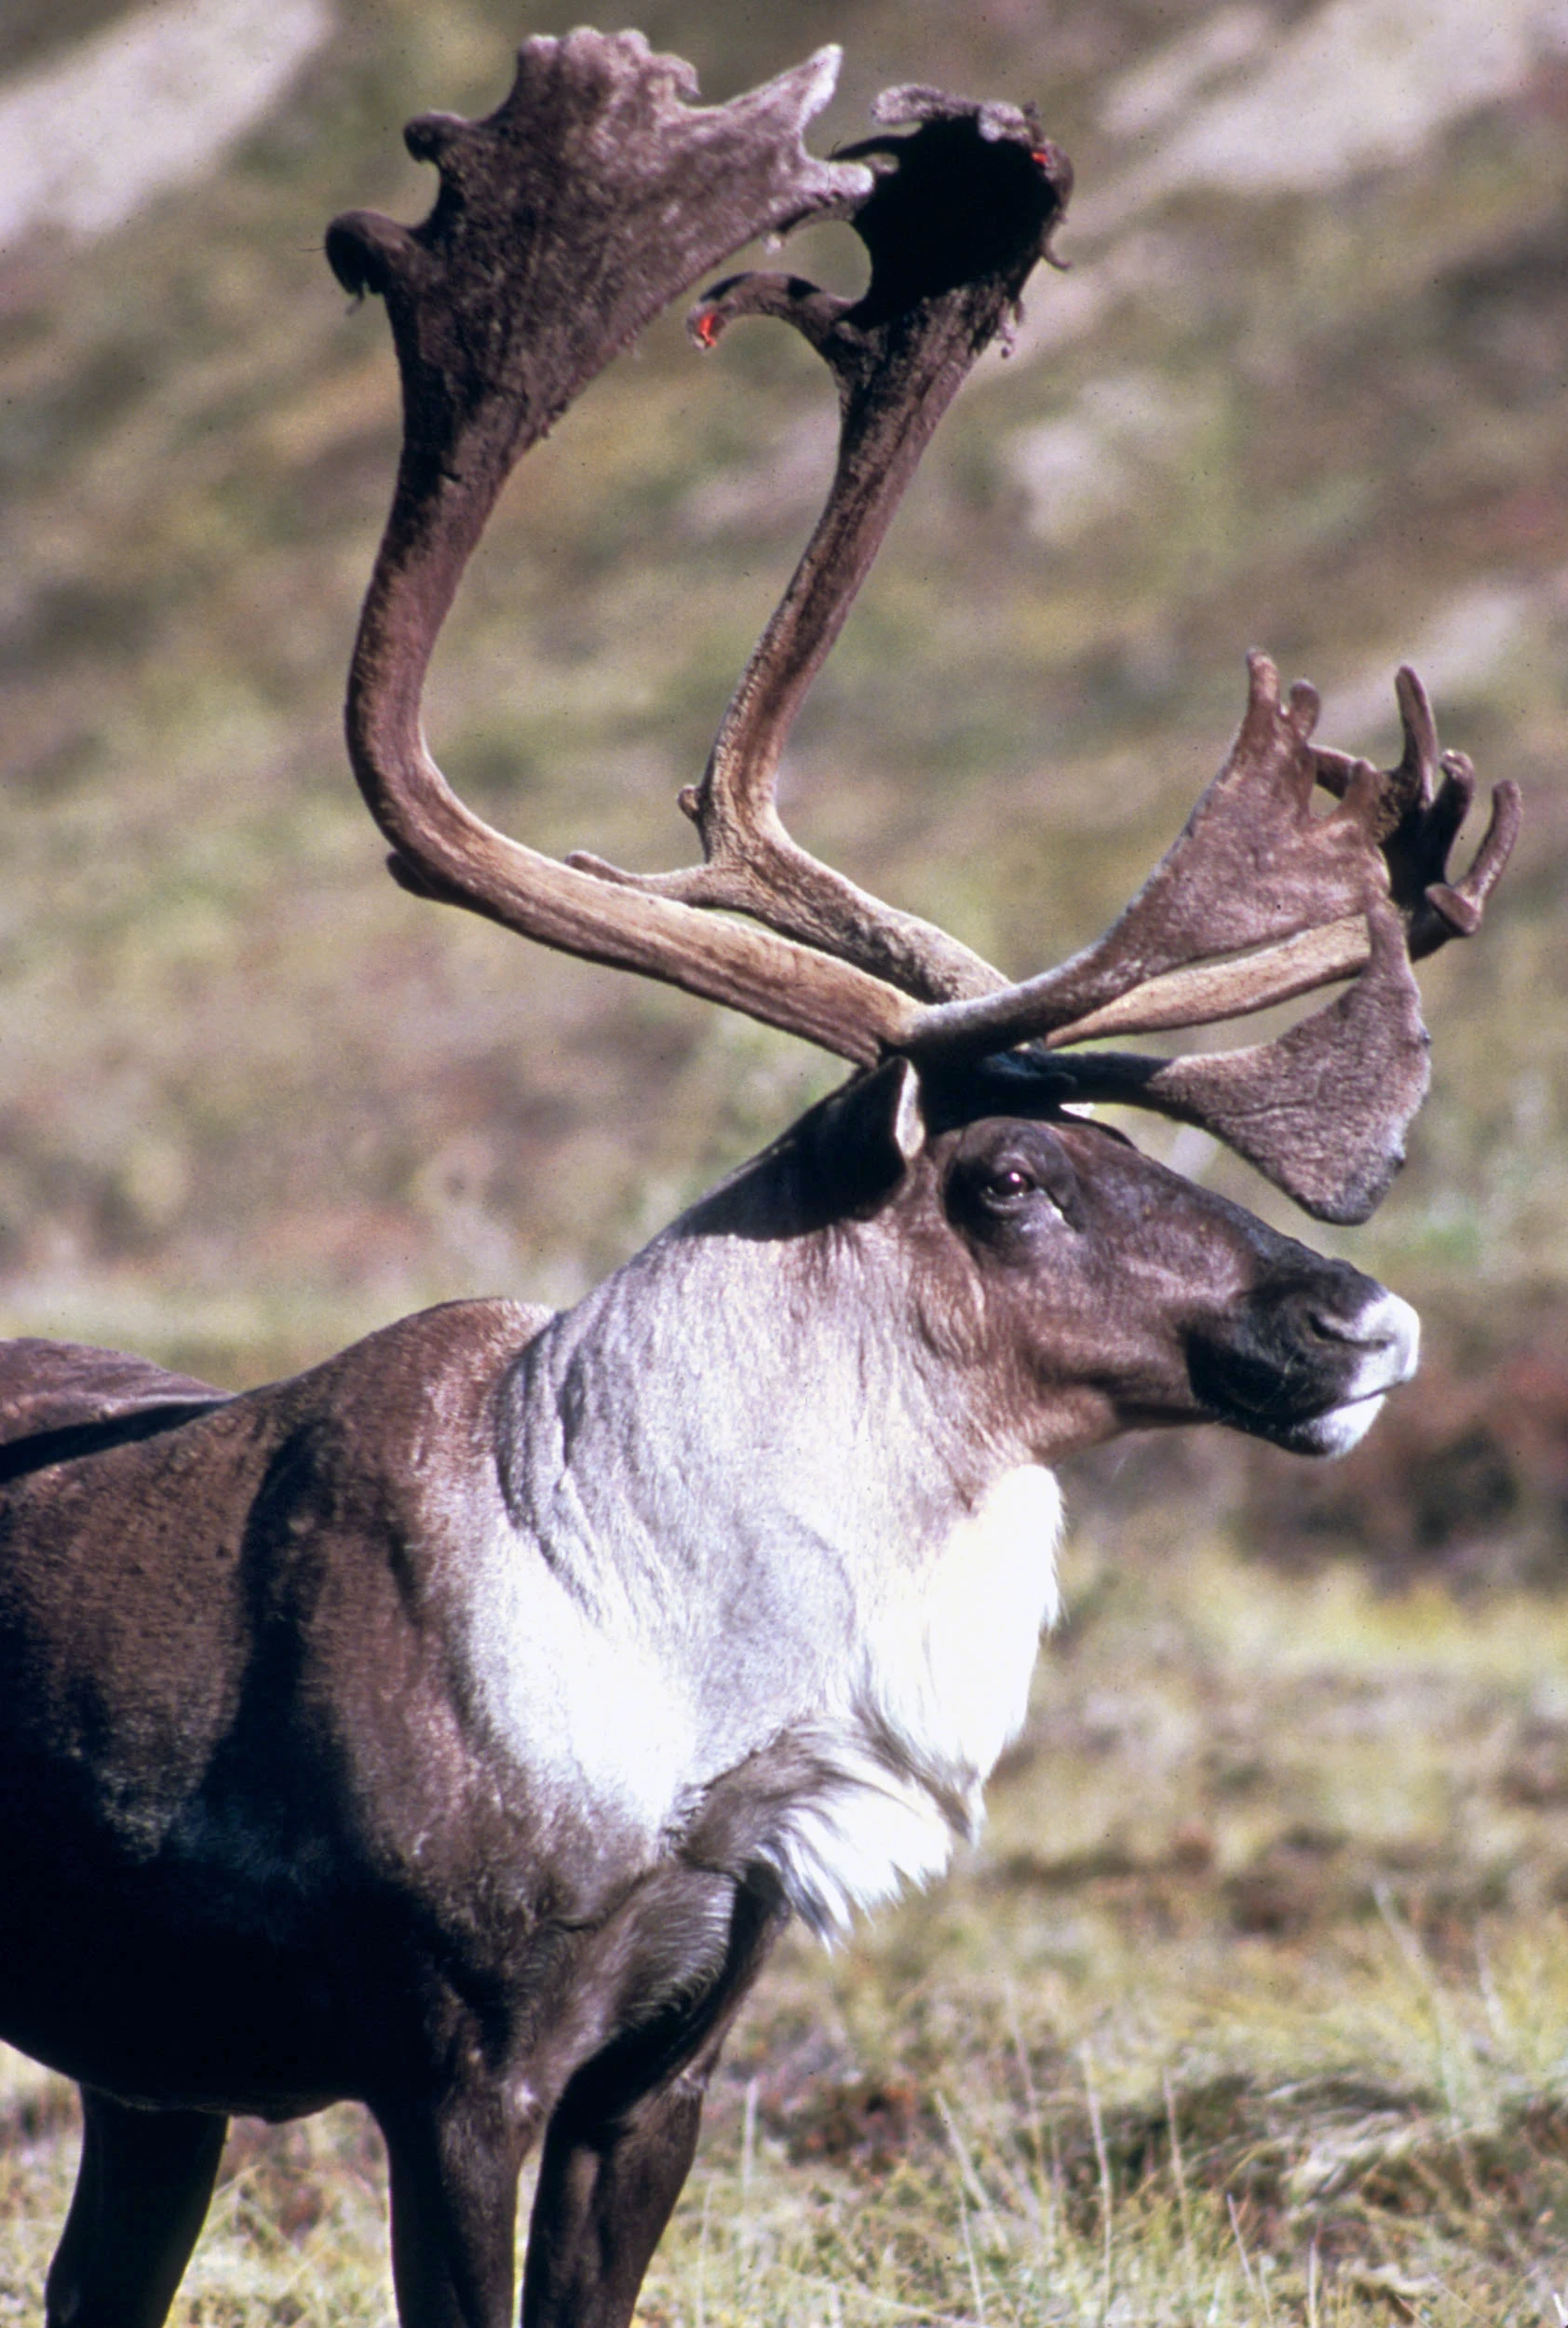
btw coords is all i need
(932, 1692)
(871, 1739)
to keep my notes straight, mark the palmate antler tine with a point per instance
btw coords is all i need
(1258, 900)
(959, 214)
(592, 197)
(1323, 1110)
(1421, 820)
(1261, 900)
(1455, 909)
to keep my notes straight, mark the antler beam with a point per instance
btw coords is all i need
(958, 217)
(566, 220)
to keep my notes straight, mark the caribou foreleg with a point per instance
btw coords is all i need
(621, 2140)
(142, 2195)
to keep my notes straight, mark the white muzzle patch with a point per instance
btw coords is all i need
(1390, 1332)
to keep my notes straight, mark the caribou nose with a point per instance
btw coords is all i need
(1308, 1361)
(1381, 1341)
(1385, 1331)
(1368, 1330)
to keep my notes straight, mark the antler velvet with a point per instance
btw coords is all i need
(594, 195)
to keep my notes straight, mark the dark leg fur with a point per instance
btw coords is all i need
(141, 2194)
(606, 2190)
(455, 2175)
(619, 2145)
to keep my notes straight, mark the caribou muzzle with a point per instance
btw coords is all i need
(1306, 1363)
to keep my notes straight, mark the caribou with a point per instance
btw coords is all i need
(453, 1727)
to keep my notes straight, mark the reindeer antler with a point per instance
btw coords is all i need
(588, 201)
(592, 197)
(1258, 901)
(1322, 1110)
(957, 218)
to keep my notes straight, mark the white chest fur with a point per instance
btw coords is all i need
(938, 1685)
(899, 1723)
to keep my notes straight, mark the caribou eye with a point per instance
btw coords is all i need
(1013, 1182)
(1008, 1185)
(1016, 1189)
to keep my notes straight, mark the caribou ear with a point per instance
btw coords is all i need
(864, 1138)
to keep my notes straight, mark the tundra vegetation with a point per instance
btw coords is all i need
(1252, 2005)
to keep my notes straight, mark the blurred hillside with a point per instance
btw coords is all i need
(1265, 1954)
(1306, 386)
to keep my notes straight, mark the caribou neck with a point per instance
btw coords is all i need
(773, 1494)
(708, 1410)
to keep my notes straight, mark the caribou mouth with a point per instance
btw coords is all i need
(1305, 1380)
(1334, 1432)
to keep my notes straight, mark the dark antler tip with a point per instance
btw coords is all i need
(362, 249)
(1304, 707)
(791, 298)
(347, 257)
(428, 135)
(1263, 679)
(1363, 795)
(966, 201)
(1462, 917)
(408, 878)
(1508, 813)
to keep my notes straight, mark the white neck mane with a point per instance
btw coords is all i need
(802, 1571)
(940, 1685)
